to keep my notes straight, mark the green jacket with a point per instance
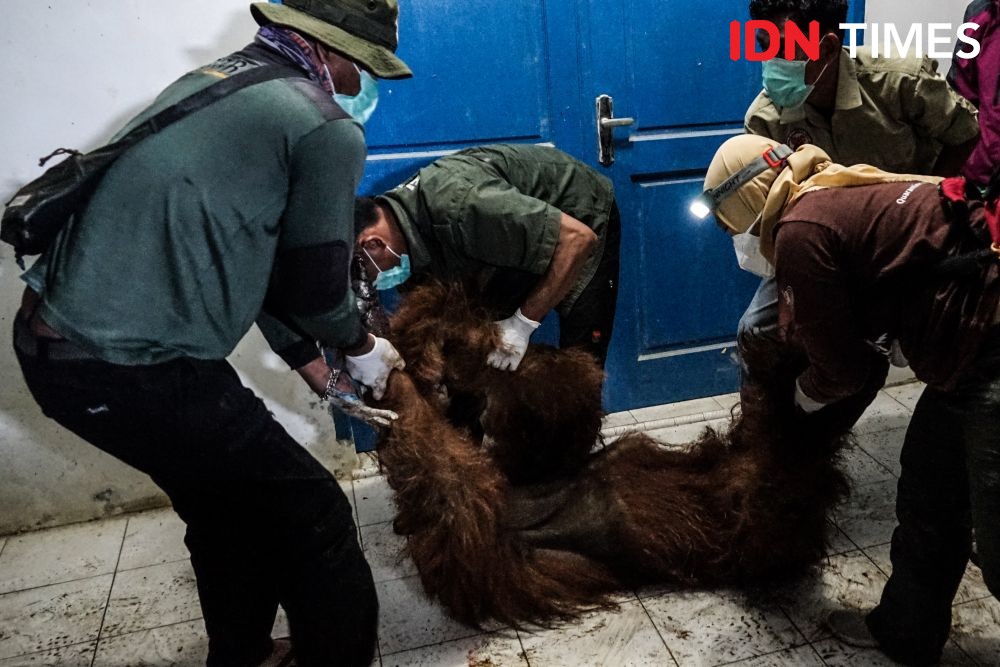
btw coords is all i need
(498, 207)
(175, 253)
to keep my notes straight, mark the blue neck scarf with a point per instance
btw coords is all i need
(293, 46)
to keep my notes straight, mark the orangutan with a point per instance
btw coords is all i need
(515, 510)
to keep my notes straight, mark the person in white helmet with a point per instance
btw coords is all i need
(866, 260)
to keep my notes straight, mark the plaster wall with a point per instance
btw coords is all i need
(74, 72)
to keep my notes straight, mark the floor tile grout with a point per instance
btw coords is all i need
(905, 407)
(972, 600)
(524, 651)
(382, 656)
(354, 503)
(819, 656)
(968, 655)
(657, 629)
(77, 524)
(150, 629)
(55, 583)
(57, 648)
(111, 588)
(119, 635)
(878, 463)
(142, 567)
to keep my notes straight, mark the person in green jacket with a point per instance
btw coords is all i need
(240, 212)
(529, 227)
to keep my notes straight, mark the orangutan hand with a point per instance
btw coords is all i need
(343, 396)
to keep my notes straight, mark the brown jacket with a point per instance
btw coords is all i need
(855, 270)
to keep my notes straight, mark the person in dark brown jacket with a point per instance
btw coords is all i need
(865, 261)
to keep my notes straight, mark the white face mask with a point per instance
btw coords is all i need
(747, 247)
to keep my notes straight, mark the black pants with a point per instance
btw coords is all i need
(950, 484)
(266, 523)
(589, 323)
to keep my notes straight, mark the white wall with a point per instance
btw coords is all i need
(74, 71)
(907, 12)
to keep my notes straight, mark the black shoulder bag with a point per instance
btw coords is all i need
(41, 208)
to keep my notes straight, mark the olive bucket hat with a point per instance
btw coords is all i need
(364, 30)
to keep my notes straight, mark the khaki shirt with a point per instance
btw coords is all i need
(498, 207)
(894, 113)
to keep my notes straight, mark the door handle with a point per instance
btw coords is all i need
(606, 124)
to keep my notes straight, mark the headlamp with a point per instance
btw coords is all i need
(702, 206)
(708, 201)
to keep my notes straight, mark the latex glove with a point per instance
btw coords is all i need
(804, 403)
(515, 331)
(372, 369)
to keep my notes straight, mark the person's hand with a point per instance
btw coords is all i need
(515, 332)
(373, 368)
(316, 374)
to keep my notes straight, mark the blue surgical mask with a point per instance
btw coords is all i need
(360, 107)
(785, 82)
(393, 277)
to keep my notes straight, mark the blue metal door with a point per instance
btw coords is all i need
(484, 72)
(502, 71)
(666, 64)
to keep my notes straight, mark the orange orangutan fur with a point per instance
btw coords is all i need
(514, 511)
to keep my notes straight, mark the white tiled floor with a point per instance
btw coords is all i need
(121, 592)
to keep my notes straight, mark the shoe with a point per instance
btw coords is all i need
(849, 627)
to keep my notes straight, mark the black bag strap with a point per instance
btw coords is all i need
(206, 96)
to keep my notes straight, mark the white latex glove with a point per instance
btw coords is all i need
(372, 369)
(804, 403)
(515, 331)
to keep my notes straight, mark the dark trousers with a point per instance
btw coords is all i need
(950, 484)
(588, 324)
(266, 523)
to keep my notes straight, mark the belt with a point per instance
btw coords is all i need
(51, 349)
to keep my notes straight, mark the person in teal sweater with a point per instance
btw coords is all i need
(241, 212)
